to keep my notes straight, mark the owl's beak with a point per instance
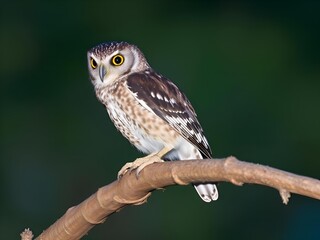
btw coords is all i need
(102, 72)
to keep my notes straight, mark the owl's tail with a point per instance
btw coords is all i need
(207, 191)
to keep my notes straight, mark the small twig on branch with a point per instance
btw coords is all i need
(78, 220)
(26, 234)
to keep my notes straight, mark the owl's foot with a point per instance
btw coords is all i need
(141, 163)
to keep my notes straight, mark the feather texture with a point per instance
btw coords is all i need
(169, 103)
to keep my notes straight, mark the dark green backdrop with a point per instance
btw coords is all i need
(251, 70)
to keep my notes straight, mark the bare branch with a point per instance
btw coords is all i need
(78, 220)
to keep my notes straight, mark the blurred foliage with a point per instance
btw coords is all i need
(250, 68)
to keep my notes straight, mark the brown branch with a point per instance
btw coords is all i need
(78, 220)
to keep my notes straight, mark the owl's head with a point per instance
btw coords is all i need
(110, 61)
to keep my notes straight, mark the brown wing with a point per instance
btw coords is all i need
(164, 98)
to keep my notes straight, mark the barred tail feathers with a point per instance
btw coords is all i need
(207, 191)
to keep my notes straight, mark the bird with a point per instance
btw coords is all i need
(148, 109)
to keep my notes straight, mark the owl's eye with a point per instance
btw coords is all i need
(117, 60)
(93, 63)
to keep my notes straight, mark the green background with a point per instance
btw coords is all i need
(251, 70)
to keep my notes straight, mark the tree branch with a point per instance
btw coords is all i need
(130, 190)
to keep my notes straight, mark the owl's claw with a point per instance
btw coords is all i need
(148, 161)
(139, 164)
(127, 167)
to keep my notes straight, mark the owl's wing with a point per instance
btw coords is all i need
(162, 97)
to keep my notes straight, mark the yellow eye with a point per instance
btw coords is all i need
(117, 60)
(93, 63)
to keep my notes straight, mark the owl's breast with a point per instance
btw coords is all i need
(144, 129)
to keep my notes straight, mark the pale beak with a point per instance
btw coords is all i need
(102, 72)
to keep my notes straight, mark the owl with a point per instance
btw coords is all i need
(148, 109)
